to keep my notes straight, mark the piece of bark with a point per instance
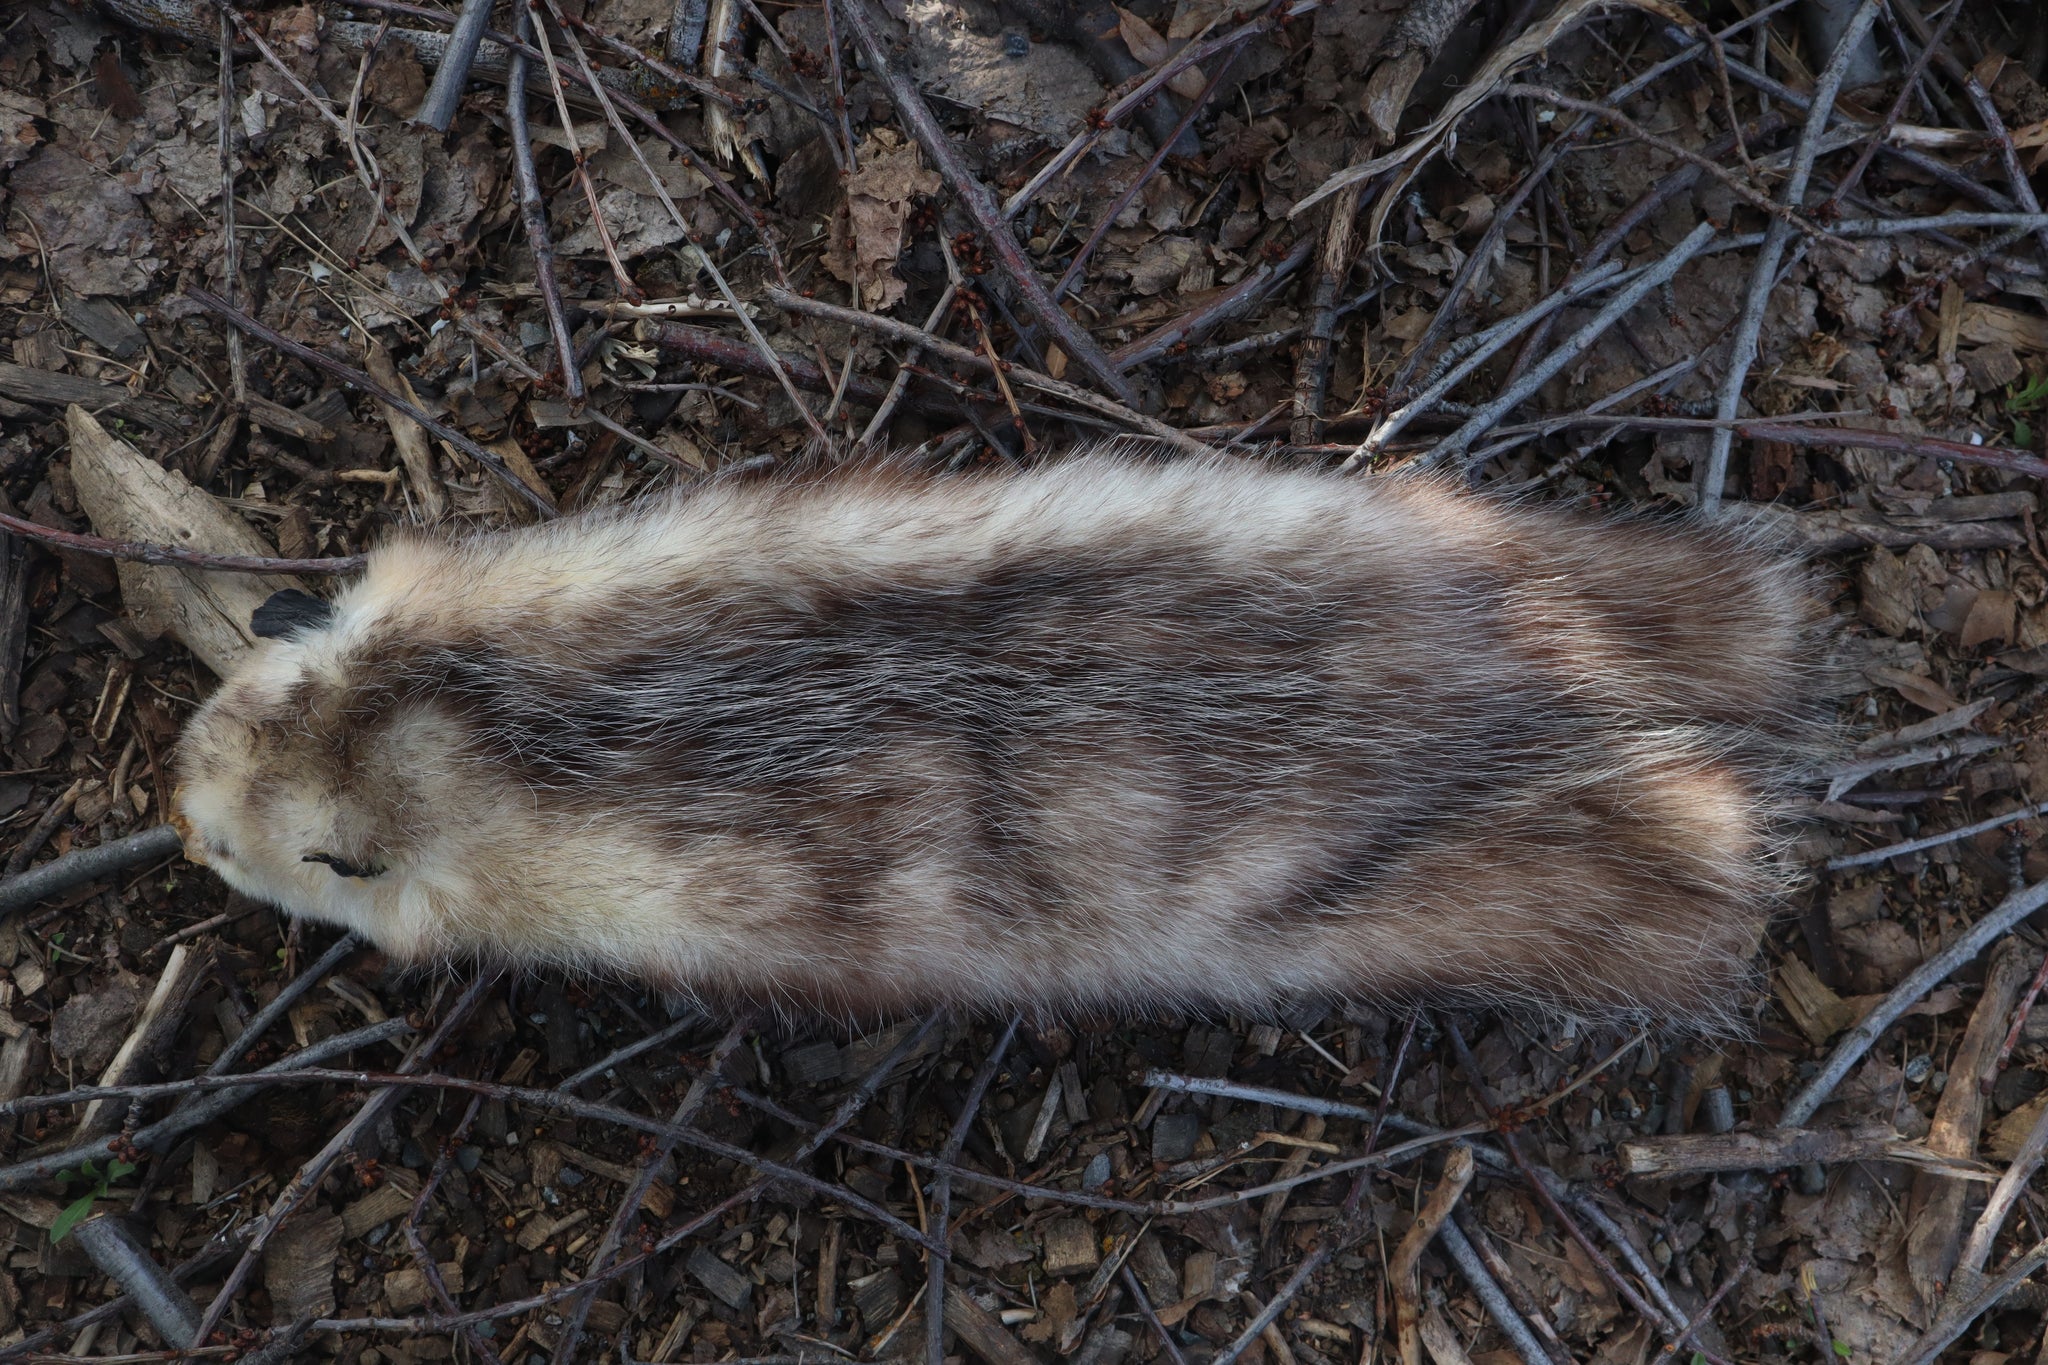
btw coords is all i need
(1940, 527)
(287, 422)
(1404, 54)
(980, 1332)
(1934, 1206)
(54, 390)
(1769, 1149)
(130, 497)
(408, 436)
(152, 1028)
(299, 1263)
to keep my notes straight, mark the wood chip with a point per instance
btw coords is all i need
(727, 1285)
(298, 1266)
(1070, 1247)
(131, 497)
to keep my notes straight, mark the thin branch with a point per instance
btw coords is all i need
(532, 212)
(2018, 1173)
(1072, 274)
(1477, 348)
(1154, 80)
(1540, 373)
(1998, 457)
(1742, 347)
(356, 379)
(80, 866)
(1740, 188)
(700, 1090)
(1878, 855)
(942, 1194)
(1950, 1323)
(768, 354)
(961, 355)
(306, 1182)
(1491, 1296)
(135, 552)
(982, 207)
(444, 96)
(1905, 995)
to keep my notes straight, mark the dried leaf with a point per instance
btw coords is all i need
(1148, 47)
(868, 232)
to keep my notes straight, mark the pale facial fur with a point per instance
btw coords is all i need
(1106, 734)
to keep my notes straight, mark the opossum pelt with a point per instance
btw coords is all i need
(1106, 734)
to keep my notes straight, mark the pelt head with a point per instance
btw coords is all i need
(286, 793)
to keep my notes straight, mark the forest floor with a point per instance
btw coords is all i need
(578, 1172)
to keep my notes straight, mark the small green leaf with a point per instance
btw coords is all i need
(1842, 1349)
(118, 1168)
(72, 1216)
(2022, 434)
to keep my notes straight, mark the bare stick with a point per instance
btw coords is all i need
(307, 1180)
(1172, 338)
(1907, 85)
(437, 110)
(86, 865)
(961, 355)
(261, 1021)
(1740, 188)
(135, 552)
(1333, 266)
(1742, 347)
(46, 824)
(1402, 1269)
(1951, 1323)
(121, 1257)
(630, 1051)
(1131, 100)
(532, 212)
(982, 207)
(1490, 1294)
(942, 1195)
(1496, 231)
(200, 1110)
(1072, 274)
(230, 263)
(422, 1259)
(356, 379)
(1479, 348)
(629, 1205)
(2008, 155)
(2027, 1160)
(746, 321)
(1907, 994)
(1706, 1313)
(1878, 855)
(1138, 1296)
(1540, 373)
(879, 423)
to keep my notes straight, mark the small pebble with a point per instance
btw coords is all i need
(1016, 43)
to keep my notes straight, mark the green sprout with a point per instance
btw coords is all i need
(95, 1183)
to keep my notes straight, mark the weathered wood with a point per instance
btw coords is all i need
(980, 1332)
(130, 497)
(1934, 1207)
(1767, 1150)
(51, 389)
(283, 420)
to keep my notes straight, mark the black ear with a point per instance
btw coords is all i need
(289, 612)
